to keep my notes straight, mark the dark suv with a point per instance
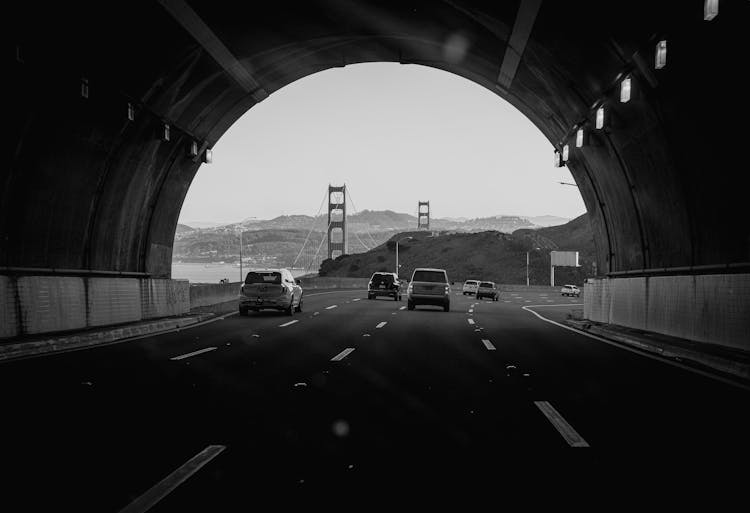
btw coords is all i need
(384, 284)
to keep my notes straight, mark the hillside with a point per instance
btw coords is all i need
(489, 255)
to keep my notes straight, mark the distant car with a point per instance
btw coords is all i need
(570, 290)
(384, 284)
(429, 287)
(470, 287)
(488, 289)
(270, 289)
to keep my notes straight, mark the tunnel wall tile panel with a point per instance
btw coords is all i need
(711, 308)
(113, 301)
(50, 303)
(164, 298)
(8, 312)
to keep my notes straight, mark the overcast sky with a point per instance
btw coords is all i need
(395, 134)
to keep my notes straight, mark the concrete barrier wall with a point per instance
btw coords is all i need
(712, 308)
(49, 304)
(208, 294)
(8, 311)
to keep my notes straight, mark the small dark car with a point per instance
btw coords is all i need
(384, 284)
(488, 289)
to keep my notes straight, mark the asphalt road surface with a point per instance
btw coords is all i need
(356, 394)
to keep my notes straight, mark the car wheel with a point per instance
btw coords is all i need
(299, 306)
(410, 305)
(447, 307)
(290, 309)
(243, 311)
(395, 297)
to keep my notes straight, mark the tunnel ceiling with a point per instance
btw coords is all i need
(89, 188)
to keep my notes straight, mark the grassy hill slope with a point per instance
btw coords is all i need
(489, 255)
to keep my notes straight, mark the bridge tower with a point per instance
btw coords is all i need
(423, 215)
(337, 220)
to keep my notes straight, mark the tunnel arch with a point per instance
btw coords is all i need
(90, 189)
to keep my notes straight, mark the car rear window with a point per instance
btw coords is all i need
(471, 282)
(487, 284)
(380, 278)
(263, 277)
(431, 276)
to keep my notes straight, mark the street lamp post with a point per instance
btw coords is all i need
(527, 267)
(399, 240)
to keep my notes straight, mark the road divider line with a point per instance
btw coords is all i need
(188, 355)
(331, 307)
(381, 324)
(566, 430)
(471, 321)
(488, 344)
(288, 323)
(632, 349)
(164, 487)
(343, 354)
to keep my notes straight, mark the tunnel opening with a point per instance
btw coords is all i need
(103, 159)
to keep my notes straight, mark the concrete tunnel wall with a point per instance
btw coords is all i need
(89, 189)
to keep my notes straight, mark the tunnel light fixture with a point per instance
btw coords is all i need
(625, 90)
(84, 87)
(166, 132)
(131, 112)
(565, 153)
(208, 156)
(194, 149)
(710, 9)
(660, 58)
(579, 138)
(600, 118)
(558, 159)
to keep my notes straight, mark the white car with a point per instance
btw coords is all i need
(570, 290)
(270, 289)
(470, 287)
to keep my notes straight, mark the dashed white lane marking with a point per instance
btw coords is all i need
(288, 323)
(506, 301)
(471, 321)
(471, 310)
(488, 344)
(316, 313)
(566, 430)
(164, 487)
(343, 354)
(331, 307)
(381, 324)
(402, 308)
(357, 299)
(528, 301)
(188, 355)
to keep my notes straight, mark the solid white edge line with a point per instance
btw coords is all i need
(194, 353)
(343, 354)
(632, 350)
(566, 430)
(381, 324)
(288, 323)
(488, 345)
(164, 487)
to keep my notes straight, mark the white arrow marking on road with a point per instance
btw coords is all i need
(331, 307)
(381, 324)
(471, 321)
(287, 323)
(188, 355)
(566, 430)
(343, 354)
(488, 344)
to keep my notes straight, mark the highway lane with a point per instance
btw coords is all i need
(420, 397)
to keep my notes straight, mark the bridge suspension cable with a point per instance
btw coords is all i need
(315, 218)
